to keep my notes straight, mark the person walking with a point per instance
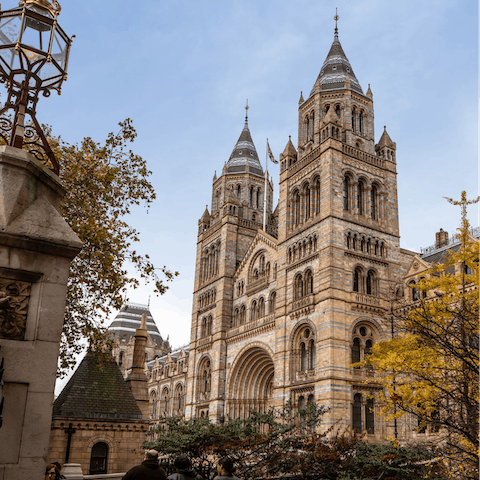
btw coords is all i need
(225, 469)
(149, 469)
(184, 469)
(52, 472)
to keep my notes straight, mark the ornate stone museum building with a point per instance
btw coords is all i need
(281, 313)
(281, 310)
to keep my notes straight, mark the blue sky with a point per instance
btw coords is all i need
(182, 70)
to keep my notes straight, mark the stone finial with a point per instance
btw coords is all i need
(348, 84)
(369, 92)
(215, 176)
(301, 99)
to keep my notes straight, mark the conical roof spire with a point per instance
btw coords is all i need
(244, 153)
(336, 67)
(385, 139)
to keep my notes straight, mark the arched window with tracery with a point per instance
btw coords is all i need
(304, 351)
(236, 317)
(243, 314)
(370, 283)
(164, 402)
(179, 399)
(313, 355)
(360, 198)
(357, 280)
(239, 192)
(296, 208)
(303, 357)
(413, 287)
(153, 405)
(308, 199)
(354, 115)
(253, 311)
(308, 282)
(298, 285)
(205, 378)
(346, 185)
(357, 413)
(258, 198)
(261, 307)
(360, 122)
(370, 416)
(99, 459)
(364, 337)
(373, 202)
(272, 301)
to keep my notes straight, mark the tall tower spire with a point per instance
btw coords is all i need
(336, 17)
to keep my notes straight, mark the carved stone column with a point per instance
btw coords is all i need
(36, 247)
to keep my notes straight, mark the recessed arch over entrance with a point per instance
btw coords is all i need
(251, 382)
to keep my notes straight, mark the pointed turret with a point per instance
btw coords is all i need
(385, 147)
(335, 69)
(289, 155)
(369, 92)
(244, 154)
(204, 222)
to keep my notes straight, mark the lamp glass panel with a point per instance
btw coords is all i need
(40, 10)
(10, 29)
(49, 71)
(36, 34)
(60, 49)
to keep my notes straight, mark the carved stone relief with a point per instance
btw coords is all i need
(14, 297)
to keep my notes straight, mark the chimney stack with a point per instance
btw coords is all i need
(441, 238)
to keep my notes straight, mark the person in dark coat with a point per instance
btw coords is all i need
(184, 470)
(149, 469)
(225, 469)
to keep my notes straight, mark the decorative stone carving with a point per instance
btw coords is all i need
(14, 298)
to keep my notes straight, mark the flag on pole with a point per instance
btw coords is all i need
(270, 154)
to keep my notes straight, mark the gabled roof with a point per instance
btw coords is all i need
(261, 238)
(97, 390)
(243, 154)
(335, 69)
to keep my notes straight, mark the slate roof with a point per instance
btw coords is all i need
(440, 255)
(129, 318)
(244, 153)
(97, 390)
(335, 69)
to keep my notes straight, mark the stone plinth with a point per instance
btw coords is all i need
(36, 247)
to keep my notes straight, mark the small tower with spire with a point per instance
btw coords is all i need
(224, 236)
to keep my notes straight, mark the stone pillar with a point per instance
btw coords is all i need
(137, 380)
(36, 247)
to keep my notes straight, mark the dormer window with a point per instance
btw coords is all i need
(240, 152)
(334, 67)
(348, 70)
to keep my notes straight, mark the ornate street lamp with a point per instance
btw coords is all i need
(33, 59)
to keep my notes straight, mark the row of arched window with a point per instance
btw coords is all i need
(304, 202)
(169, 403)
(207, 298)
(302, 248)
(303, 284)
(206, 326)
(358, 120)
(366, 421)
(365, 244)
(359, 198)
(304, 355)
(209, 262)
(365, 283)
(258, 309)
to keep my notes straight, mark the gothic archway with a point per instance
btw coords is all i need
(251, 382)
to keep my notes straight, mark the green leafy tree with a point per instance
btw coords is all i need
(103, 183)
(430, 370)
(287, 442)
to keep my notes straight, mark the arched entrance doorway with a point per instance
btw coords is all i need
(251, 383)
